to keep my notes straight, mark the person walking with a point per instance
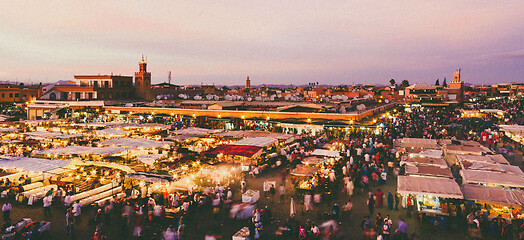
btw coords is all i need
(402, 230)
(77, 211)
(390, 201)
(409, 204)
(385, 230)
(282, 190)
(307, 202)
(371, 203)
(6, 210)
(69, 224)
(380, 198)
(350, 186)
(47, 205)
(397, 199)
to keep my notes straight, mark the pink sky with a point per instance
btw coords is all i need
(279, 42)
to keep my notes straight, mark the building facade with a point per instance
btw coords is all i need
(108, 86)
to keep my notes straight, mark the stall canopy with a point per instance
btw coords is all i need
(512, 197)
(112, 132)
(313, 160)
(304, 171)
(51, 135)
(192, 132)
(82, 150)
(237, 150)
(498, 158)
(427, 170)
(253, 134)
(196, 131)
(462, 149)
(439, 162)
(325, 152)
(438, 187)
(135, 143)
(418, 143)
(7, 130)
(149, 159)
(256, 141)
(149, 177)
(32, 164)
(484, 166)
(78, 162)
(495, 178)
(428, 153)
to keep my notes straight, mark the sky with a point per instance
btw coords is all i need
(274, 42)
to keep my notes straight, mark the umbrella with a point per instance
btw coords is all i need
(292, 209)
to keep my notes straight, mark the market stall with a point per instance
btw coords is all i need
(514, 132)
(432, 194)
(496, 201)
(326, 153)
(493, 159)
(428, 170)
(489, 178)
(427, 161)
(486, 166)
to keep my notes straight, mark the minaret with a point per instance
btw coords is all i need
(143, 81)
(248, 82)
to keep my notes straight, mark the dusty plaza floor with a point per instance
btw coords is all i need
(202, 221)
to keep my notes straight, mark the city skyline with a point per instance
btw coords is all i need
(272, 42)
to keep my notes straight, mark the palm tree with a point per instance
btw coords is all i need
(392, 82)
(405, 83)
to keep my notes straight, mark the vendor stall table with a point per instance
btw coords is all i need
(251, 196)
(242, 234)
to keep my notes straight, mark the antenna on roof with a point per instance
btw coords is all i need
(169, 78)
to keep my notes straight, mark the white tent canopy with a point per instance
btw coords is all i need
(6, 130)
(82, 150)
(112, 132)
(484, 166)
(32, 164)
(256, 141)
(418, 143)
(439, 162)
(135, 143)
(149, 177)
(498, 158)
(124, 168)
(251, 133)
(429, 153)
(512, 197)
(325, 152)
(149, 159)
(438, 187)
(51, 135)
(313, 160)
(494, 178)
(304, 171)
(197, 131)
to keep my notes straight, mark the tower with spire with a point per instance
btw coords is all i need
(248, 82)
(143, 81)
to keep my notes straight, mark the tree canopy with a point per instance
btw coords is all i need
(392, 82)
(405, 83)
